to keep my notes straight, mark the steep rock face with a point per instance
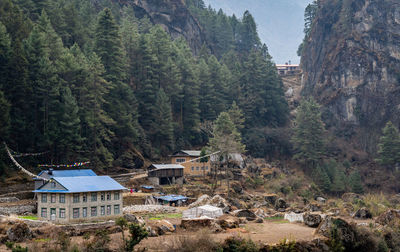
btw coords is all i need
(351, 65)
(175, 18)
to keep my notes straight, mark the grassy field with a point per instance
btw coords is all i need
(29, 217)
(164, 216)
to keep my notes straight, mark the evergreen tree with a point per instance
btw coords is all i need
(389, 146)
(162, 137)
(236, 116)
(355, 182)
(338, 184)
(247, 34)
(69, 138)
(121, 100)
(322, 179)
(308, 133)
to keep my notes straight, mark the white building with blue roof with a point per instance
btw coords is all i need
(79, 198)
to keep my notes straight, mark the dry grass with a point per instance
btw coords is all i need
(199, 242)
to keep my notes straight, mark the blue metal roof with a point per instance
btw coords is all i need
(70, 173)
(86, 184)
(172, 197)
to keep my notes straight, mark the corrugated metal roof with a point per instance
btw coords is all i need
(172, 197)
(192, 153)
(168, 166)
(70, 173)
(87, 184)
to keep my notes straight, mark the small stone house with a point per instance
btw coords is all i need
(80, 198)
(50, 173)
(192, 168)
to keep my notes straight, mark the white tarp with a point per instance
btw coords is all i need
(206, 210)
(294, 217)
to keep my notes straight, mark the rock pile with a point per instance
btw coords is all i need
(149, 209)
(216, 201)
(19, 232)
(362, 213)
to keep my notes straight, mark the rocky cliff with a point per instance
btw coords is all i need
(351, 65)
(174, 16)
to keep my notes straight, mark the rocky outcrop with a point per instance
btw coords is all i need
(174, 17)
(351, 65)
(388, 217)
(363, 213)
(312, 220)
(19, 232)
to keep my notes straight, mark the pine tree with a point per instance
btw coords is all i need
(356, 183)
(247, 33)
(236, 115)
(338, 182)
(389, 146)
(69, 138)
(163, 136)
(322, 179)
(121, 101)
(308, 133)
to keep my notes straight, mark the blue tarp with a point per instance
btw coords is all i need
(87, 184)
(147, 187)
(172, 197)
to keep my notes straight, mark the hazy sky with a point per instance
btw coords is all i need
(279, 22)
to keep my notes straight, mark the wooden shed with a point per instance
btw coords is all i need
(165, 174)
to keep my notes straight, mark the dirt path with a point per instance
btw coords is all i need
(266, 233)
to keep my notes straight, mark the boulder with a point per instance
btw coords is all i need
(201, 201)
(260, 213)
(271, 199)
(242, 220)
(163, 227)
(151, 231)
(314, 207)
(204, 199)
(237, 187)
(133, 218)
(321, 200)
(249, 215)
(280, 205)
(228, 221)
(19, 232)
(312, 220)
(237, 203)
(346, 232)
(194, 224)
(388, 216)
(362, 213)
(218, 201)
(259, 220)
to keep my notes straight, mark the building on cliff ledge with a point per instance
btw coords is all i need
(79, 198)
(288, 69)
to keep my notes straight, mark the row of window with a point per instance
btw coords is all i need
(180, 160)
(76, 212)
(76, 197)
(202, 168)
